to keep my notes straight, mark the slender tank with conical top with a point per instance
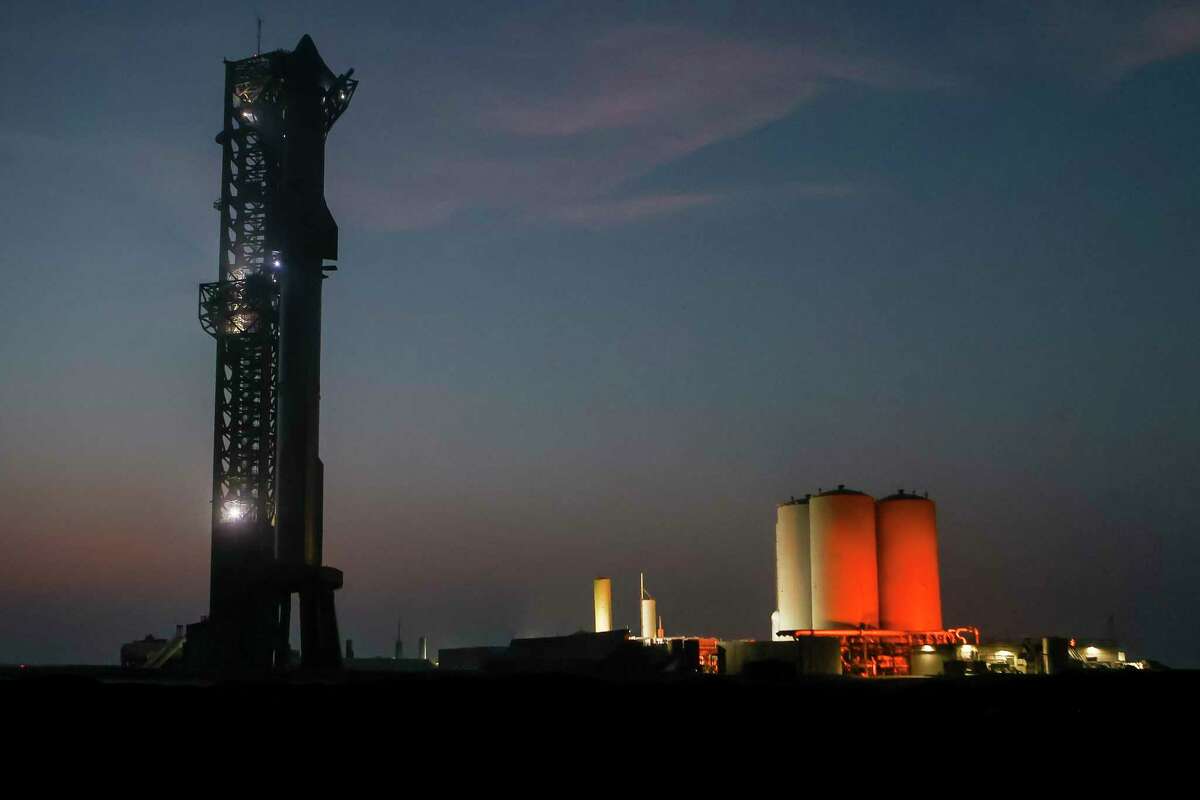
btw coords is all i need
(649, 618)
(649, 612)
(845, 592)
(910, 597)
(793, 584)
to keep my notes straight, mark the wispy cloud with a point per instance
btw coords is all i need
(673, 81)
(631, 209)
(1098, 44)
(618, 211)
(1167, 33)
(561, 135)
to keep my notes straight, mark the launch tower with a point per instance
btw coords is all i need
(264, 311)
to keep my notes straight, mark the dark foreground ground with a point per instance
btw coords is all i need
(448, 736)
(441, 704)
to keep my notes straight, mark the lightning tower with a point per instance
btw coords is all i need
(264, 311)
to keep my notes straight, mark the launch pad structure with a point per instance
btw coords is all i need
(264, 311)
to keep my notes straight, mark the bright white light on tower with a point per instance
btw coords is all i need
(233, 511)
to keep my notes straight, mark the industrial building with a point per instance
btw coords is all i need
(603, 651)
(864, 574)
(843, 560)
(859, 595)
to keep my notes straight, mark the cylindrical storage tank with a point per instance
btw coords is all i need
(793, 586)
(602, 601)
(649, 618)
(910, 595)
(845, 589)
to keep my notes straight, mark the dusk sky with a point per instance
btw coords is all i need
(615, 279)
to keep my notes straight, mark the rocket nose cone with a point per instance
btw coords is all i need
(307, 57)
(306, 50)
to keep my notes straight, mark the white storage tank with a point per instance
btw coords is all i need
(649, 619)
(793, 580)
(845, 588)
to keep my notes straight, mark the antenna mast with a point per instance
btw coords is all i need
(258, 38)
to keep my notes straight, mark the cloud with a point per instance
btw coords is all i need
(1167, 33)
(559, 133)
(1103, 43)
(607, 212)
(669, 81)
(631, 209)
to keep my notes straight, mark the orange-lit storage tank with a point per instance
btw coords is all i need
(845, 589)
(910, 595)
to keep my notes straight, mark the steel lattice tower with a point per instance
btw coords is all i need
(265, 313)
